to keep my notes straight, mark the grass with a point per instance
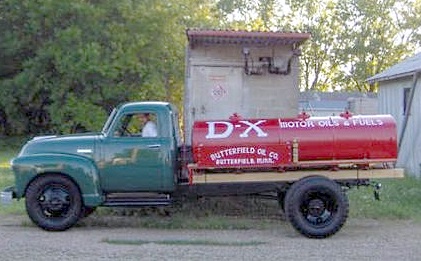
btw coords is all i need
(400, 199)
(179, 242)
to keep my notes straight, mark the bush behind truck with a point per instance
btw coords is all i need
(306, 163)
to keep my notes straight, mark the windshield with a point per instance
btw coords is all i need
(109, 121)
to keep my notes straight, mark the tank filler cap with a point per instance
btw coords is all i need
(303, 115)
(235, 117)
(346, 114)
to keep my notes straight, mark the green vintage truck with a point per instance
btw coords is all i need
(64, 178)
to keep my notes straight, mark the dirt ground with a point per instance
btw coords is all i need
(358, 240)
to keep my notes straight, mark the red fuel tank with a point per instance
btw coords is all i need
(302, 141)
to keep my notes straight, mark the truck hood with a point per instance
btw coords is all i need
(77, 144)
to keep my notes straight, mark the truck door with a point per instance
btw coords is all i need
(134, 157)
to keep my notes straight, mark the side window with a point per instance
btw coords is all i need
(139, 124)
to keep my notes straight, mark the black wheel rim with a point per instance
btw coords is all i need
(54, 201)
(318, 208)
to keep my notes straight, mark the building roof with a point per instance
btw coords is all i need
(405, 68)
(334, 96)
(320, 102)
(210, 37)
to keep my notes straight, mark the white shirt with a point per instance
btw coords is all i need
(149, 130)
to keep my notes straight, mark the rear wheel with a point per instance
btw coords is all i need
(53, 202)
(316, 207)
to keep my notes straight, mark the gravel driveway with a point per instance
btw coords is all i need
(358, 240)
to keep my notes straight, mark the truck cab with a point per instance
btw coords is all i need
(130, 162)
(65, 177)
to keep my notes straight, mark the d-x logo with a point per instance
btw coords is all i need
(229, 128)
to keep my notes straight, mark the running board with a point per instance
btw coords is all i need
(137, 200)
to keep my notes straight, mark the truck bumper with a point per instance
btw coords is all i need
(7, 195)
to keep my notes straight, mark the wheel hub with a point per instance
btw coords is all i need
(316, 207)
(316, 211)
(54, 201)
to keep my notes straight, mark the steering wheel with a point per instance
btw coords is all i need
(125, 131)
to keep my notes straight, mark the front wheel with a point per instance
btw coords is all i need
(53, 202)
(316, 207)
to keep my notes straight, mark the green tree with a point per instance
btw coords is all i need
(373, 38)
(247, 14)
(67, 63)
(321, 21)
(351, 40)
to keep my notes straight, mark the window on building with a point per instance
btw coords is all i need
(406, 93)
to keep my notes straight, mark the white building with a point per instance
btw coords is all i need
(400, 96)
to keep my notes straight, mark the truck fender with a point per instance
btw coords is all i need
(80, 170)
